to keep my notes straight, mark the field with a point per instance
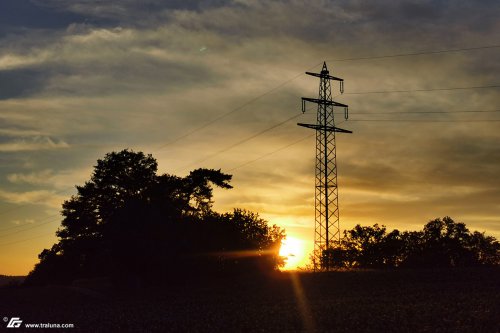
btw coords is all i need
(10, 280)
(356, 301)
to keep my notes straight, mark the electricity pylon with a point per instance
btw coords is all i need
(327, 228)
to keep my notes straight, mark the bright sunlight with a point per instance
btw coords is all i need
(293, 249)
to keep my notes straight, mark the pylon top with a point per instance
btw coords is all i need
(324, 70)
(325, 74)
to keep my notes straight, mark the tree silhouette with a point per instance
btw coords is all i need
(441, 243)
(129, 222)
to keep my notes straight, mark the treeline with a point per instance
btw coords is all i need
(441, 243)
(131, 224)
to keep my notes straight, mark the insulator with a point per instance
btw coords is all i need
(341, 87)
(346, 113)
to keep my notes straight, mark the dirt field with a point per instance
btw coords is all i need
(364, 301)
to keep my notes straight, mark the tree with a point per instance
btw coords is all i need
(366, 244)
(127, 220)
(441, 243)
(369, 247)
(486, 249)
(244, 242)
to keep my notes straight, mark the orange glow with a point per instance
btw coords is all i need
(302, 303)
(293, 249)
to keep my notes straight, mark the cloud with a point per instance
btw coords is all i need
(15, 125)
(9, 62)
(41, 197)
(43, 177)
(23, 222)
(33, 143)
(58, 179)
(90, 60)
(97, 63)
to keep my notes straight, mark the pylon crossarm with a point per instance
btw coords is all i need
(322, 101)
(324, 128)
(325, 76)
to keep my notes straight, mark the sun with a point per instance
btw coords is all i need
(293, 250)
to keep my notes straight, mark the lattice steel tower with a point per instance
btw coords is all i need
(327, 228)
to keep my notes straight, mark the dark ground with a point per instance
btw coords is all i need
(466, 300)
(10, 280)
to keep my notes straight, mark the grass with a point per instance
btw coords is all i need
(465, 300)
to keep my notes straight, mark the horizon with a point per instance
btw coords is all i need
(218, 85)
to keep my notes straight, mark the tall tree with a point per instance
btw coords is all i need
(128, 220)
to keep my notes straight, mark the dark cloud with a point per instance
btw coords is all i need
(98, 76)
(464, 160)
(448, 159)
(18, 15)
(18, 83)
(431, 10)
(391, 11)
(107, 7)
(145, 77)
(374, 175)
(140, 13)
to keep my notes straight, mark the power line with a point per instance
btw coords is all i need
(287, 146)
(420, 90)
(241, 141)
(29, 228)
(224, 115)
(276, 151)
(199, 161)
(418, 53)
(430, 120)
(282, 84)
(26, 239)
(270, 153)
(430, 112)
(23, 225)
(418, 112)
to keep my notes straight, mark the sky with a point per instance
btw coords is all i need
(218, 84)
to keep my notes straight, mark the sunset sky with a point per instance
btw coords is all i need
(217, 84)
